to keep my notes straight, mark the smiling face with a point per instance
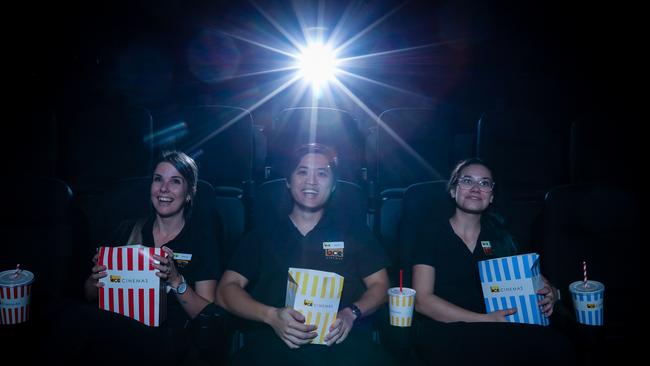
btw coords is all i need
(473, 190)
(169, 190)
(311, 182)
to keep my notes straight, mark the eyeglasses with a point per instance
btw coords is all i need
(484, 185)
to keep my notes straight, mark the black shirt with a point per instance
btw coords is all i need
(203, 265)
(456, 268)
(266, 254)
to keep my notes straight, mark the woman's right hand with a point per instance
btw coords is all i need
(499, 315)
(290, 326)
(97, 272)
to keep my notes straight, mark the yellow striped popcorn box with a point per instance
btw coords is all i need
(400, 306)
(131, 287)
(513, 282)
(316, 295)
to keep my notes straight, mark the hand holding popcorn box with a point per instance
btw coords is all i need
(513, 282)
(131, 287)
(316, 295)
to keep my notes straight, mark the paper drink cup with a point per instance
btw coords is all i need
(588, 301)
(15, 292)
(400, 306)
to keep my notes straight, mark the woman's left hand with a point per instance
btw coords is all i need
(340, 329)
(550, 296)
(166, 268)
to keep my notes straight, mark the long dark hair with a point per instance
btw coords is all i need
(187, 167)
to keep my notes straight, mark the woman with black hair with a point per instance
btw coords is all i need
(453, 326)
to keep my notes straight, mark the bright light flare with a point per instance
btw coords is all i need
(317, 64)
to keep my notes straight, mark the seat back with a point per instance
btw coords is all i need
(386, 227)
(36, 230)
(219, 138)
(528, 154)
(601, 225)
(230, 205)
(412, 145)
(603, 150)
(422, 202)
(333, 127)
(103, 142)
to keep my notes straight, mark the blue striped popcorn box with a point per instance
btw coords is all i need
(512, 282)
(316, 295)
(588, 301)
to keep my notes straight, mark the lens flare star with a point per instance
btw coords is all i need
(331, 66)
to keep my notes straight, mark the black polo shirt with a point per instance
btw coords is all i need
(266, 254)
(194, 240)
(457, 278)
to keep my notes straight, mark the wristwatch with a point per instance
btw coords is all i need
(182, 287)
(356, 311)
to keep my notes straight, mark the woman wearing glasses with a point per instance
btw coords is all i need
(449, 300)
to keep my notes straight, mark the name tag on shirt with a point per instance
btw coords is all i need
(182, 259)
(333, 245)
(487, 247)
(333, 249)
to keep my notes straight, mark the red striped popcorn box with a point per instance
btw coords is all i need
(316, 295)
(15, 293)
(131, 287)
(513, 282)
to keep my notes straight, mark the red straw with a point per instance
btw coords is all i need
(584, 273)
(401, 280)
(17, 271)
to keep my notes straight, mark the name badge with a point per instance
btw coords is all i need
(333, 245)
(487, 247)
(182, 259)
(334, 249)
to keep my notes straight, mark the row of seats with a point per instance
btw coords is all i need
(52, 232)
(101, 142)
(104, 141)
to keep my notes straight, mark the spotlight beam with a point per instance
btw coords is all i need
(258, 44)
(389, 130)
(381, 84)
(300, 18)
(320, 21)
(276, 25)
(333, 39)
(246, 111)
(389, 52)
(254, 73)
(368, 29)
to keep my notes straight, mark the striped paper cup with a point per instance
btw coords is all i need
(15, 291)
(588, 301)
(400, 306)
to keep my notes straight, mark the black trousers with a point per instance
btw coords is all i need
(491, 344)
(264, 347)
(83, 334)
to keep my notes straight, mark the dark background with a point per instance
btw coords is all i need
(564, 62)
